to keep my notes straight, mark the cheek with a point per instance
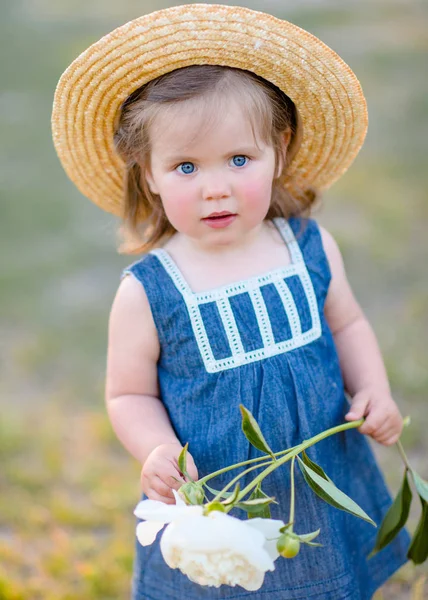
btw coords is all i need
(257, 192)
(178, 206)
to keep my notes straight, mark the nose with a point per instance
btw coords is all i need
(215, 187)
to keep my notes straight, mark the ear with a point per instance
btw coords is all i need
(147, 174)
(285, 140)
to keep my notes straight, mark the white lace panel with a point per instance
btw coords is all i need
(220, 296)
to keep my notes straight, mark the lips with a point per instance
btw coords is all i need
(219, 215)
(220, 220)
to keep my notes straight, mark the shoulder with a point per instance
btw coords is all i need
(143, 267)
(332, 251)
(317, 244)
(341, 307)
(130, 294)
(307, 231)
(131, 299)
(305, 226)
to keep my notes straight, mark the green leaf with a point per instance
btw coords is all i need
(234, 496)
(331, 494)
(314, 544)
(264, 511)
(309, 463)
(218, 492)
(182, 460)
(308, 537)
(395, 518)
(418, 550)
(253, 432)
(256, 507)
(421, 485)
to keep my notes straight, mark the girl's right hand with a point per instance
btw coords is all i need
(160, 473)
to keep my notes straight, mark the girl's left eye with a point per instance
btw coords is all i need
(239, 160)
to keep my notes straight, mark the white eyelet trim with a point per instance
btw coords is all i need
(290, 308)
(252, 285)
(229, 323)
(262, 316)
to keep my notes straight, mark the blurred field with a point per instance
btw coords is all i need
(68, 489)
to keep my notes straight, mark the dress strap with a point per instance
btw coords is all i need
(289, 238)
(173, 271)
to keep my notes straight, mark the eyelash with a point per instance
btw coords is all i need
(247, 158)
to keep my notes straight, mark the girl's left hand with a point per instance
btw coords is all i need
(384, 422)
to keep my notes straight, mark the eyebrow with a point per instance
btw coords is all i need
(178, 158)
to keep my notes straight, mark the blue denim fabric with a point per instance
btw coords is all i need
(294, 395)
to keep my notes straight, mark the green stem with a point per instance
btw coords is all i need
(403, 455)
(297, 450)
(292, 494)
(241, 464)
(235, 479)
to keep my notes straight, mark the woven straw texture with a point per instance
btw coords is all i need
(89, 94)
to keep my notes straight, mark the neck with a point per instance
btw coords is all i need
(230, 250)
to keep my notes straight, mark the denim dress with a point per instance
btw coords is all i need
(264, 342)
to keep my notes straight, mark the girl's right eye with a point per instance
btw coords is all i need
(187, 168)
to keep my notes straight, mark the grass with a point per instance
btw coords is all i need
(66, 522)
(68, 488)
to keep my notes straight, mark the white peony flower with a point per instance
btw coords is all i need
(211, 550)
(156, 514)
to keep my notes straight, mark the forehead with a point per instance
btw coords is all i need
(207, 123)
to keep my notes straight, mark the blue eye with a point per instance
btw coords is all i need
(187, 168)
(239, 160)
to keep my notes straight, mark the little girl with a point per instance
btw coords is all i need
(210, 129)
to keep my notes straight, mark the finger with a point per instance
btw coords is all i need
(370, 426)
(150, 480)
(154, 495)
(191, 468)
(388, 436)
(173, 482)
(375, 419)
(384, 430)
(359, 408)
(391, 440)
(159, 486)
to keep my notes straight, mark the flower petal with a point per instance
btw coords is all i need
(147, 532)
(217, 532)
(154, 510)
(217, 549)
(178, 499)
(270, 529)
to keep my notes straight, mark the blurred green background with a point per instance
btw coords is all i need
(67, 487)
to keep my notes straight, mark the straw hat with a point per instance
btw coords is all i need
(89, 94)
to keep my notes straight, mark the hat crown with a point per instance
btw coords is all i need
(91, 91)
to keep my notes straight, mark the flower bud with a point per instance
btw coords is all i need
(288, 546)
(192, 493)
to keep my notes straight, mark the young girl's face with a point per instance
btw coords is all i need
(215, 181)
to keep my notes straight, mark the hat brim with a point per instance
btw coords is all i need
(91, 91)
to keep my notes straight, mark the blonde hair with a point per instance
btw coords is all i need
(271, 114)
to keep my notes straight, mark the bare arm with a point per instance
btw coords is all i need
(132, 392)
(138, 416)
(360, 359)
